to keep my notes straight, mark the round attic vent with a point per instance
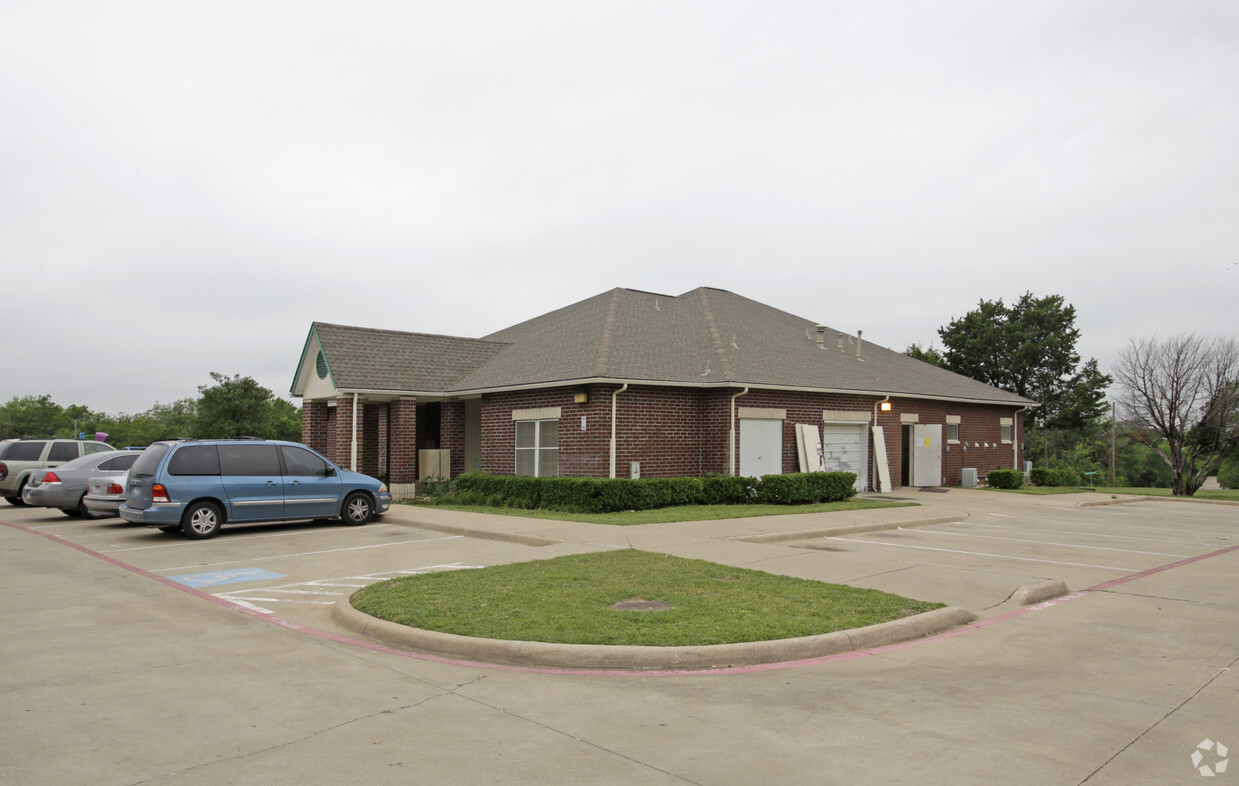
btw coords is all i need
(320, 365)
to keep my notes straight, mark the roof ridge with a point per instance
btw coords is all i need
(724, 360)
(603, 359)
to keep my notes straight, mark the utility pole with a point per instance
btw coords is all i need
(1114, 428)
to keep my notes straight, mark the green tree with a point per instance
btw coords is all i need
(285, 420)
(32, 416)
(233, 407)
(929, 354)
(1029, 348)
(1182, 396)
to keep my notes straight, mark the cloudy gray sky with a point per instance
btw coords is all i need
(218, 175)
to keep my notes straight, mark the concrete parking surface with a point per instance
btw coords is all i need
(130, 656)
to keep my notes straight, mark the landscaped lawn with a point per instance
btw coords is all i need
(569, 600)
(1231, 495)
(681, 513)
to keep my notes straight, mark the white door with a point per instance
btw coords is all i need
(843, 450)
(926, 455)
(761, 447)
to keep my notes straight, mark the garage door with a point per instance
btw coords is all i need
(843, 450)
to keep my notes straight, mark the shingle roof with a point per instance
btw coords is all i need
(370, 359)
(706, 337)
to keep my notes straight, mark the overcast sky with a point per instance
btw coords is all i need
(216, 176)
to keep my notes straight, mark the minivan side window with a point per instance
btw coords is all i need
(302, 463)
(248, 460)
(194, 460)
(63, 451)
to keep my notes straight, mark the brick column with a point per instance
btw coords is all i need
(314, 425)
(368, 436)
(344, 432)
(402, 439)
(452, 434)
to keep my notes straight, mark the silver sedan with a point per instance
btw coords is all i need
(64, 486)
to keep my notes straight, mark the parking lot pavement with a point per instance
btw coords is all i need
(114, 675)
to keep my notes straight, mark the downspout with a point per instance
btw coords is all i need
(873, 464)
(353, 467)
(731, 467)
(1015, 442)
(614, 395)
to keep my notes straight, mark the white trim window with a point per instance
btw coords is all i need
(1006, 426)
(537, 448)
(952, 429)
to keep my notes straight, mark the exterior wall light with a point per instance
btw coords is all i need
(580, 395)
(885, 406)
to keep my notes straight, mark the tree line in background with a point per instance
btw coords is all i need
(231, 407)
(1175, 420)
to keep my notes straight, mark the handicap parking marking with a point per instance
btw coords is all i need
(217, 578)
(297, 593)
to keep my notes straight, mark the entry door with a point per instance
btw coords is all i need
(926, 455)
(843, 450)
(761, 447)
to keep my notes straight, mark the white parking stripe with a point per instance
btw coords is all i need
(309, 553)
(982, 554)
(199, 543)
(1042, 542)
(1178, 530)
(1092, 534)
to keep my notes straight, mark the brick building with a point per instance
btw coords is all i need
(631, 383)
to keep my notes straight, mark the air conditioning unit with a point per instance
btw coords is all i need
(969, 478)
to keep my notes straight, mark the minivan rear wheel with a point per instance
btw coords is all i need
(358, 509)
(201, 520)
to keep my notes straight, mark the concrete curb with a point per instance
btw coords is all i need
(1030, 594)
(845, 529)
(588, 656)
(481, 534)
(1124, 500)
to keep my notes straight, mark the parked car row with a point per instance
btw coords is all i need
(191, 486)
(21, 457)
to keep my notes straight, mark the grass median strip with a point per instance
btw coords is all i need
(590, 599)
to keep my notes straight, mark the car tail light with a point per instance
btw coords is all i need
(115, 488)
(51, 477)
(4, 470)
(159, 493)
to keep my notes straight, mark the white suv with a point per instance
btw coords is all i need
(20, 457)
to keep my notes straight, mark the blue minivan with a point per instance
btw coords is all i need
(197, 486)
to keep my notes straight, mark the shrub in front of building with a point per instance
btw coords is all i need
(1005, 478)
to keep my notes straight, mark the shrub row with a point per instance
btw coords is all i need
(606, 495)
(1005, 478)
(1054, 477)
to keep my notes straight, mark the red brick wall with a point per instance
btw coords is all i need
(681, 431)
(980, 424)
(314, 425)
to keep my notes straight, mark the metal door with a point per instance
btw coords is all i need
(926, 455)
(761, 447)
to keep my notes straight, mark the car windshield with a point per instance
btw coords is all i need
(148, 462)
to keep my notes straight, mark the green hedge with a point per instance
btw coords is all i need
(1005, 478)
(605, 495)
(1054, 477)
